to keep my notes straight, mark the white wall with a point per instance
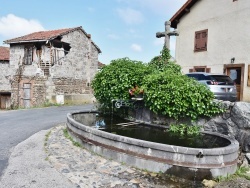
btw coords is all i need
(228, 27)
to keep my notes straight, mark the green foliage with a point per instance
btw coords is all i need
(114, 80)
(177, 96)
(183, 129)
(242, 172)
(166, 90)
(66, 134)
(163, 62)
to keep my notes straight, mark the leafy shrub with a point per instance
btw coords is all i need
(177, 96)
(183, 129)
(166, 90)
(163, 62)
(115, 79)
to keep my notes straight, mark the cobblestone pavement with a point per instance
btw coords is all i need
(85, 169)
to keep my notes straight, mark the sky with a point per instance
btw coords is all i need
(120, 28)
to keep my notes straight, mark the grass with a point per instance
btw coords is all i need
(66, 134)
(45, 143)
(240, 172)
(47, 138)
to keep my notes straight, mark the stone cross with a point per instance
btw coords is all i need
(167, 34)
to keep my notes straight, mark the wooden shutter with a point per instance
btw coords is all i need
(197, 41)
(28, 55)
(208, 70)
(201, 40)
(191, 70)
(248, 76)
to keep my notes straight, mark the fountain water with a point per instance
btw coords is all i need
(153, 155)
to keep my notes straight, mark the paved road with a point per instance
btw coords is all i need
(18, 125)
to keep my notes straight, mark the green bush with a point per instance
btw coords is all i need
(177, 96)
(163, 62)
(166, 90)
(114, 80)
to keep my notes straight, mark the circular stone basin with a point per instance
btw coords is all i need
(149, 147)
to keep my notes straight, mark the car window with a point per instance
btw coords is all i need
(193, 76)
(202, 77)
(198, 76)
(222, 78)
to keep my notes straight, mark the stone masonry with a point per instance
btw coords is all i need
(54, 69)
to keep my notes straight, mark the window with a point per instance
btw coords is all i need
(248, 81)
(200, 69)
(28, 55)
(200, 41)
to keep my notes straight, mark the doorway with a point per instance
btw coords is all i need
(5, 100)
(236, 73)
(26, 95)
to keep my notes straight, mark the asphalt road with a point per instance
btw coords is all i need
(18, 125)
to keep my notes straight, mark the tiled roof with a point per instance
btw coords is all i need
(183, 10)
(4, 53)
(41, 35)
(46, 35)
(100, 65)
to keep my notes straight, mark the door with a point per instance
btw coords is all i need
(26, 95)
(236, 73)
(5, 101)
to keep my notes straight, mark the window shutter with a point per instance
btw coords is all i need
(191, 70)
(248, 78)
(197, 40)
(208, 70)
(28, 55)
(201, 40)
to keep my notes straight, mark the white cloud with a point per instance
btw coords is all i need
(130, 16)
(12, 26)
(136, 47)
(159, 41)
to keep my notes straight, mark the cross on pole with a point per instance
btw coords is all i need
(167, 33)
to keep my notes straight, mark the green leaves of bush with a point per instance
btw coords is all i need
(114, 80)
(166, 90)
(177, 96)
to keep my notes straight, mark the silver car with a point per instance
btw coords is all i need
(221, 85)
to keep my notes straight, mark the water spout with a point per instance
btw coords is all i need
(200, 154)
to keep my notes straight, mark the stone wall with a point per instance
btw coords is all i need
(235, 122)
(37, 92)
(70, 75)
(5, 74)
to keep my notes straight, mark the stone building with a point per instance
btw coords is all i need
(214, 37)
(54, 66)
(5, 89)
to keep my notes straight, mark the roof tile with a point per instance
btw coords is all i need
(4, 53)
(47, 35)
(41, 35)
